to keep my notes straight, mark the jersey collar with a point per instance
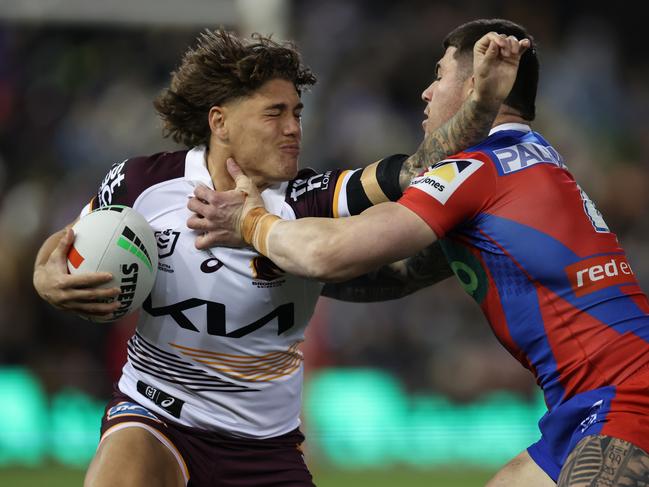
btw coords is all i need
(521, 127)
(196, 167)
(196, 173)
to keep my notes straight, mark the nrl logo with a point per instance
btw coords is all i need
(166, 241)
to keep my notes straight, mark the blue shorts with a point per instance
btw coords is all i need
(619, 411)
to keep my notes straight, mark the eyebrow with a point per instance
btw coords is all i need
(284, 106)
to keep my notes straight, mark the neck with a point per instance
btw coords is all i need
(508, 115)
(215, 160)
(216, 156)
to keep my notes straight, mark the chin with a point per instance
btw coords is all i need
(288, 170)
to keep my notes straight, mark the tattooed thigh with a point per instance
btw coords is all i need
(603, 461)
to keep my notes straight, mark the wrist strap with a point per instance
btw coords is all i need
(255, 228)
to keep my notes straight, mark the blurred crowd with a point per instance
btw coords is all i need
(74, 99)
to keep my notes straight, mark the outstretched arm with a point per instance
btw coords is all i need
(333, 250)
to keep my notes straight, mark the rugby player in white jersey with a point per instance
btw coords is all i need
(210, 394)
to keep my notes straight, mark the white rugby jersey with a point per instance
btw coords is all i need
(216, 344)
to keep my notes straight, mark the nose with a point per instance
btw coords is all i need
(293, 126)
(427, 93)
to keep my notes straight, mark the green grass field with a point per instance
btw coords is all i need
(56, 476)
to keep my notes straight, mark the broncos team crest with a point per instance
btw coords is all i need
(265, 269)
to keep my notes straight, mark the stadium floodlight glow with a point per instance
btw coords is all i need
(23, 418)
(363, 418)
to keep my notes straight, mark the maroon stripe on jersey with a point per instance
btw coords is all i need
(127, 180)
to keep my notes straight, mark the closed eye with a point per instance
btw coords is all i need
(438, 74)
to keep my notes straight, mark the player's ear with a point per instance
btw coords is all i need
(216, 119)
(469, 85)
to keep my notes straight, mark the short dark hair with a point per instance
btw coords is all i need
(223, 67)
(523, 94)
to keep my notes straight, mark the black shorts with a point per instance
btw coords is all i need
(209, 459)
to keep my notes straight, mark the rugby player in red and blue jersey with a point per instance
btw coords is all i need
(530, 247)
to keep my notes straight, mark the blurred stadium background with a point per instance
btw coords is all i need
(410, 392)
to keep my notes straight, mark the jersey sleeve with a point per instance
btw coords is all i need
(340, 193)
(450, 193)
(127, 180)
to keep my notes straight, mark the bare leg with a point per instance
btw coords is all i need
(133, 457)
(603, 461)
(522, 471)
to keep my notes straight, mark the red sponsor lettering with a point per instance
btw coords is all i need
(597, 273)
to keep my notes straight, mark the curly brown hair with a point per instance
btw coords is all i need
(220, 68)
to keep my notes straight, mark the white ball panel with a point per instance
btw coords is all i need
(117, 239)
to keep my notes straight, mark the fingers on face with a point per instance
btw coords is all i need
(233, 168)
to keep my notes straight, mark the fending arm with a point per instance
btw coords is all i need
(395, 280)
(335, 250)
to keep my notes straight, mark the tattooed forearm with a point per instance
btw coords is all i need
(605, 461)
(467, 127)
(395, 280)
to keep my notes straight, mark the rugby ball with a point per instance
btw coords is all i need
(116, 239)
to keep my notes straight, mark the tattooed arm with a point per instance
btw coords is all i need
(467, 127)
(472, 122)
(395, 280)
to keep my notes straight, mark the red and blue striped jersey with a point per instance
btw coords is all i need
(530, 247)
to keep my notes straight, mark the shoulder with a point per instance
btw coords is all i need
(307, 180)
(311, 193)
(127, 180)
(510, 151)
(442, 179)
